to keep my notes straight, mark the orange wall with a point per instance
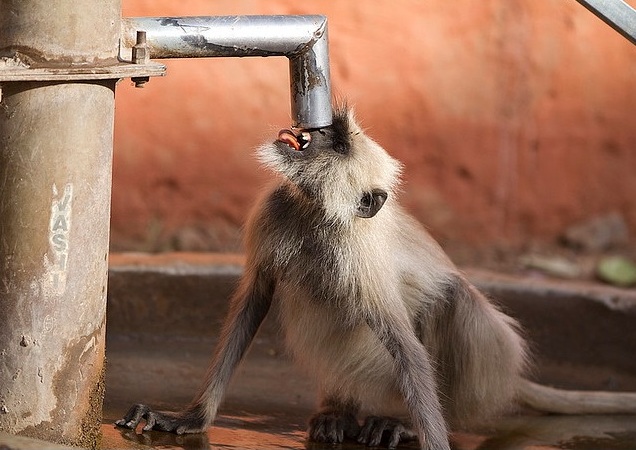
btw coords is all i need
(514, 118)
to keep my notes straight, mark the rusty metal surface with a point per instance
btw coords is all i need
(55, 163)
(55, 181)
(60, 31)
(13, 72)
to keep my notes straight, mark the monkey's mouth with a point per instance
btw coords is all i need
(297, 141)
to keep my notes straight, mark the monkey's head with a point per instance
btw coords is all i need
(338, 166)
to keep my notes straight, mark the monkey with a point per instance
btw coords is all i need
(370, 305)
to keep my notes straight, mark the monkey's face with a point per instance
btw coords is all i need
(338, 166)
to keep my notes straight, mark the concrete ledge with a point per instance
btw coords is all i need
(582, 334)
(175, 293)
(12, 442)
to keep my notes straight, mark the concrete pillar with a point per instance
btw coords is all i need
(55, 179)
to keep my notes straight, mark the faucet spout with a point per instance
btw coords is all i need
(302, 39)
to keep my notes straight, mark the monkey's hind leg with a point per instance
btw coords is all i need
(376, 427)
(335, 422)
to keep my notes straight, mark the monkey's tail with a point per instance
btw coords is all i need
(558, 401)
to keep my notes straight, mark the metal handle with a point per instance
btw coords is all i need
(616, 13)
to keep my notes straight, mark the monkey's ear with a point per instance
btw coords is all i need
(371, 203)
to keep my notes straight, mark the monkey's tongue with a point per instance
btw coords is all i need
(288, 137)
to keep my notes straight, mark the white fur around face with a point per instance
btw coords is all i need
(343, 178)
(361, 172)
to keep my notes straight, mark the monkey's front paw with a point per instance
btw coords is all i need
(332, 427)
(375, 428)
(179, 423)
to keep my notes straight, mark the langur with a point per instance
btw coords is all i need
(370, 306)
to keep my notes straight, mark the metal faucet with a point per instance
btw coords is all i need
(302, 39)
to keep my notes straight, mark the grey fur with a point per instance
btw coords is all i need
(370, 305)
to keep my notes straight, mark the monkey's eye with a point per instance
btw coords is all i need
(371, 203)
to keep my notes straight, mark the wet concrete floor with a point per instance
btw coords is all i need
(164, 313)
(269, 402)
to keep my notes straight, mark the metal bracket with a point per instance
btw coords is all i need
(616, 13)
(13, 70)
(20, 67)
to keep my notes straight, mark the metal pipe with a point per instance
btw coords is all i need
(302, 39)
(616, 13)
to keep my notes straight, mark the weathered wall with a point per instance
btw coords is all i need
(514, 119)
